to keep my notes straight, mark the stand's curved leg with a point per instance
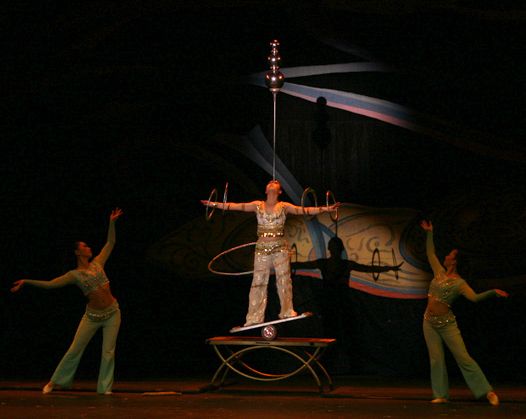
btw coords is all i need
(307, 355)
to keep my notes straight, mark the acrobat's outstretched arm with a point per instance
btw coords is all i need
(298, 210)
(232, 206)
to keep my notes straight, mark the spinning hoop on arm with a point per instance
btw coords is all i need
(213, 194)
(225, 196)
(208, 213)
(307, 191)
(330, 195)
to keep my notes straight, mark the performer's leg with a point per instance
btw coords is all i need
(257, 298)
(67, 367)
(110, 330)
(437, 361)
(475, 378)
(281, 263)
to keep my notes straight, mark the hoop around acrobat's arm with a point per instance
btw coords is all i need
(213, 194)
(208, 213)
(329, 195)
(306, 192)
(225, 197)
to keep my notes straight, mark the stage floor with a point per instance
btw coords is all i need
(298, 397)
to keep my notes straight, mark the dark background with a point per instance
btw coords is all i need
(134, 105)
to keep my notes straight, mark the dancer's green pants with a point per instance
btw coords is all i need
(450, 335)
(67, 367)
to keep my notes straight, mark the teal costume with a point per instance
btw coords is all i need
(108, 319)
(443, 329)
(102, 312)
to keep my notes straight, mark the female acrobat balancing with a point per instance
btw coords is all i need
(441, 327)
(102, 312)
(271, 249)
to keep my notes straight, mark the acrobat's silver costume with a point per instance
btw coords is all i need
(270, 253)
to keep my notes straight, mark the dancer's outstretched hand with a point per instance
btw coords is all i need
(17, 285)
(115, 214)
(501, 294)
(426, 225)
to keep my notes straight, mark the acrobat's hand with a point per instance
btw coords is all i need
(208, 203)
(426, 225)
(115, 214)
(501, 294)
(17, 285)
(334, 206)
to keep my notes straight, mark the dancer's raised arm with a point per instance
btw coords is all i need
(104, 254)
(430, 247)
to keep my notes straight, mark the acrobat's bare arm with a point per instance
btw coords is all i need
(298, 210)
(232, 206)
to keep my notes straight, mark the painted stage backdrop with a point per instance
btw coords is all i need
(381, 236)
